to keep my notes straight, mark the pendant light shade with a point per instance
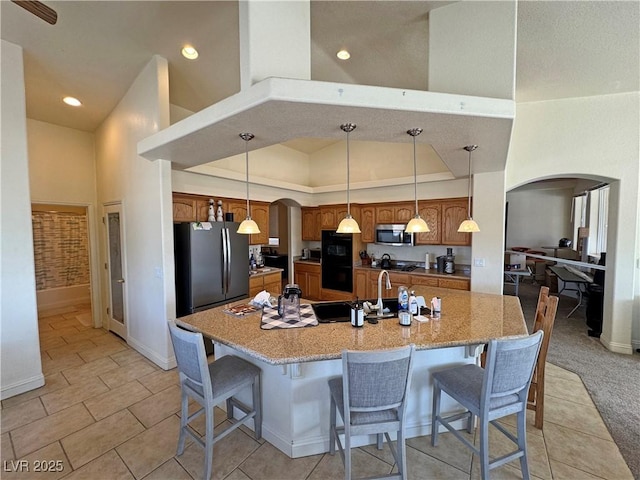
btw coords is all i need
(469, 225)
(348, 223)
(248, 226)
(416, 224)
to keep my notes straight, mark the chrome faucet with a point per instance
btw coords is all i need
(379, 307)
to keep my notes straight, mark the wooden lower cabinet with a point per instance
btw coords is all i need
(271, 282)
(454, 283)
(366, 283)
(308, 277)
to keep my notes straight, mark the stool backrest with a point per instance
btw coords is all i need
(377, 380)
(509, 367)
(191, 358)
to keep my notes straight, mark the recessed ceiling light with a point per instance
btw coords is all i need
(189, 52)
(74, 102)
(343, 55)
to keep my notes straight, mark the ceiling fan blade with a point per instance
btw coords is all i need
(39, 9)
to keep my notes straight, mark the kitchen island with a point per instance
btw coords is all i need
(296, 363)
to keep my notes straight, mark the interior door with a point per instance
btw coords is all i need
(115, 269)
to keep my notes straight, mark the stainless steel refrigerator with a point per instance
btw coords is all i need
(212, 265)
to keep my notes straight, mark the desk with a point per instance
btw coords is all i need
(569, 277)
(513, 277)
(297, 362)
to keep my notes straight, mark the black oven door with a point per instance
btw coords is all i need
(337, 261)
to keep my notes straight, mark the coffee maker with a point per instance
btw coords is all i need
(289, 302)
(449, 263)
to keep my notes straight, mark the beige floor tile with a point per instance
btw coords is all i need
(49, 367)
(44, 327)
(421, 466)
(51, 343)
(385, 454)
(555, 371)
(584, 418)
(75, 347)
(126, 373)
(237, 474)
(109, 339)
(585, 452)
(557, 387)
(160, 380)
(105, 350)
(505, 472)
(173, 470)
(449, 449)
(114, 400)
(127, 357)
(228, 454)
(69, 321)
(157, 407)
(89, 370)
(511, 422)
(6, 449)
(268, 463)
(219, 416)
(73, 394)
(36, 435)
(48, 463)
(26, 412)
(562, 471)
(100, 437)
(109, 465)
(51, 312)
(61, 332)
(85, 318)
(86, 334)
(148, 450)
(52, 383)
(363, 465)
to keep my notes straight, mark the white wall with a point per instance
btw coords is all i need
(539, 217)
(472, 48)
(144, 188)
(593, 137)
(21, 367)
(62, 170)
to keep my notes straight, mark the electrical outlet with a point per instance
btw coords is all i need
(478, 262)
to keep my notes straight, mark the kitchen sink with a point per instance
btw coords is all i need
(340, 311)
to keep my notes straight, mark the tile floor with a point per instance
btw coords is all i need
(107, 412)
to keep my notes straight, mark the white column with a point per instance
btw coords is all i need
(275, 40)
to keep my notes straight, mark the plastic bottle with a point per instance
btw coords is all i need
(413, 303)
(403, 298)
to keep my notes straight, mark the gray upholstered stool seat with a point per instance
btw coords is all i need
(209, 385)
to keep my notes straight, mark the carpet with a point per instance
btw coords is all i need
(612, 379)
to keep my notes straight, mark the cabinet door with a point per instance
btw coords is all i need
(403, 213)
(184, 208)
(313, 285)
(368, 224)
(424, 280)
(454, 283)
(237, 207)
(398, 279)
(384, 214)
(202, 210)
(256, 284)
(260, 214)
(454, 212)
(360, 281)
(329, 220)
(431, 212)
(310, 216)
(318, 225)
(273, 283)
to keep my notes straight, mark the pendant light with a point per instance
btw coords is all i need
(248, 226)
(348, 223)
(469, 225)
(416, 224)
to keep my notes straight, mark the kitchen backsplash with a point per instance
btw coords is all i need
(417, 253)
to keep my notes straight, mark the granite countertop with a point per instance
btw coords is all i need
(467, 318)
(264, 271)
(463, 272)
(306, 260)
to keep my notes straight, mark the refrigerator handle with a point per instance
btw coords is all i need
(228, 260)
(225, 261)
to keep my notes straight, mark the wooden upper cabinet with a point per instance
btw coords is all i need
(202, 210)
(384, 214)
(404, 212)
(237, 207)
(368, 224)
(184, 208)
(454, 212)
(431, 212)
(329, 217)
(260, 214)
(310, 215)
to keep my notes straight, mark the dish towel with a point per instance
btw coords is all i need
(271, 319)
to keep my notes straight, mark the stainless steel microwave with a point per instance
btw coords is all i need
(393, 234)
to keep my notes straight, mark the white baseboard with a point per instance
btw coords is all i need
(163, 363)
(616, 347)
(22, 386)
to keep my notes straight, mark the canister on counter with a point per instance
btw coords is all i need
(436, 307)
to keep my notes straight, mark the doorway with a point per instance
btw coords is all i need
(116, 310)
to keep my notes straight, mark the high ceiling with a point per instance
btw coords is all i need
(565, 49)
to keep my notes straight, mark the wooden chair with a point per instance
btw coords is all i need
(544, 319)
